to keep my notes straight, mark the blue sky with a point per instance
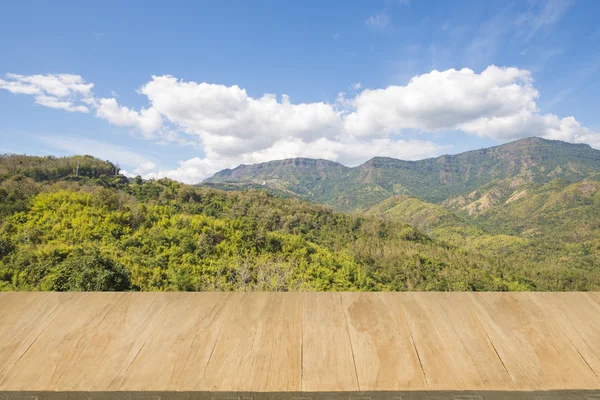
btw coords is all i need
(178, 89)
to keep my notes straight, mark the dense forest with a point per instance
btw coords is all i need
(76, 224)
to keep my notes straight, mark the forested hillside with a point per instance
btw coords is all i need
(97, 230)
(551, 231)
(100, 232)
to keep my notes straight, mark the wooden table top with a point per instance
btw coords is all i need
(299, 342)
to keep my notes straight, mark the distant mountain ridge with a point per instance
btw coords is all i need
(436, 180)
(242, 170)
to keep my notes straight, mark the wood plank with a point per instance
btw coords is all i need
(386, 357)
(534, 349)
(98, 341)
(578, 315)
(178, 344)
(327, 356)
(478, 347)
(50, 355)
(259, 347)
(452, 345)
(110, 346)
(429, 343)
(25, 316)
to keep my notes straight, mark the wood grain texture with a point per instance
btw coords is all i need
(178, 343)
(299, 342)
(576, 315)
(260, 345)
(23, 318)
(328, 362)
(452, 345)
(531, 344)
(381, 342)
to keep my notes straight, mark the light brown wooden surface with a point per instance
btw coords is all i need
(299, 342)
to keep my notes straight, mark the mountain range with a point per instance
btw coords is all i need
(453, 180)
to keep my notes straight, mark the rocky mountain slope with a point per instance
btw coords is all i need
(453, 180)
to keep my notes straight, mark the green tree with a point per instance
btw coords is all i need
(88, 271)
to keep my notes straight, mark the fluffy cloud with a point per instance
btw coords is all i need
(229, 120)
(498, 103)
(60, 91)
(146, 120)
(60, 85)
(232, 127)
(442, 101)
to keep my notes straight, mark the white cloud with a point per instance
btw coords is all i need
(72, 93)
(146, 120)
(16, 87)
(442, 101)
(378, 22)
(498, 103)
(59, 85)
(54, 102)
(60, 91)
(355, 86)
(231, 127)
(228, 121)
